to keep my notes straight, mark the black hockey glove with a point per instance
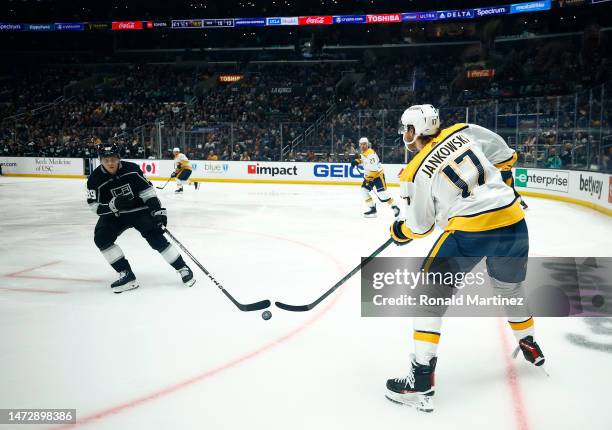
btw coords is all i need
(161, 218)
(121, 203)
(398, 233)
(173, 175)
(354, 163)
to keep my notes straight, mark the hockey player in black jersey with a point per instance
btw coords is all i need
(123, 198)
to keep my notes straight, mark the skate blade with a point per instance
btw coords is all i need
(420, 402)
(190, 282)
(370, 216)
(126, 287)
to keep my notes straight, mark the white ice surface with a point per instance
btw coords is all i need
(168, 357)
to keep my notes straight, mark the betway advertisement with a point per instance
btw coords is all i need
(590, 187)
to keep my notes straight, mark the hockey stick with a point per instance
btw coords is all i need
(243, 307)
(164, 186)
(304, 308)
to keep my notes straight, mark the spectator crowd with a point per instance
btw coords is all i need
(544, 99)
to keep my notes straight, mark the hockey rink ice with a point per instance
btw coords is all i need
(168, 357)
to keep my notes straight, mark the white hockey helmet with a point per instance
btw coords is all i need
(425, 120)
(366, 141)
(176, 150)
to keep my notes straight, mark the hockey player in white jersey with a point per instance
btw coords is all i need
(374, 176)
(452, 182)
(182, 170)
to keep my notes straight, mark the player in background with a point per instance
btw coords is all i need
(182, 170)
(452, 182)
(373, 177)
(123, 198)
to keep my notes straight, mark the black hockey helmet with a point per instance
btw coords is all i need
(108, 150)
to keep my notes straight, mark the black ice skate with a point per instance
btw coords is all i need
(186, 276)
(196, 185)
(531, 351)
(179, 190)
(396, 211)
(371, 213)
(127, 281)
(417, 388)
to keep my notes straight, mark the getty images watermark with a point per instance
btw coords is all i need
(394, 286)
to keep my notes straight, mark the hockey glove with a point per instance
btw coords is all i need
(120, 203)
(173, 175)
(354, 163)
(397, 233)
(161, 218)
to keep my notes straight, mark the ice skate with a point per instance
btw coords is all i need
(416, 389)
(531, 351)
(186, 276)
(127, 281)
(370, 213)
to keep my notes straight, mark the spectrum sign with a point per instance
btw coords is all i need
(492, 11)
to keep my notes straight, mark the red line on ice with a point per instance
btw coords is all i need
(33, 290)
(31, 269)
(20, 274)
(212, 372)
(520, 414)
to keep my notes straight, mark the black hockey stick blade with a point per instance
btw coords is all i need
(264, 304)
(304, 308)
(294, 308)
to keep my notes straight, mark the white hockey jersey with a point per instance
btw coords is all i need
(371, 164)
(181, 162)
(455, 182)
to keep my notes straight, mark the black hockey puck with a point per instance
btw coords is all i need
(598, 301)
(266, 315)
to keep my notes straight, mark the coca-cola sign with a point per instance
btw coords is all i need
(481, 73)
(315, 20)
(127, 25)
(383, 18)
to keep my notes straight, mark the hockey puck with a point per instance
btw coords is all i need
(598, 301)
(266, 315)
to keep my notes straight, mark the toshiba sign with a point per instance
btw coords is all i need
(383, 18)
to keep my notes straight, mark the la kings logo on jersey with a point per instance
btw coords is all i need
(123, 190)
